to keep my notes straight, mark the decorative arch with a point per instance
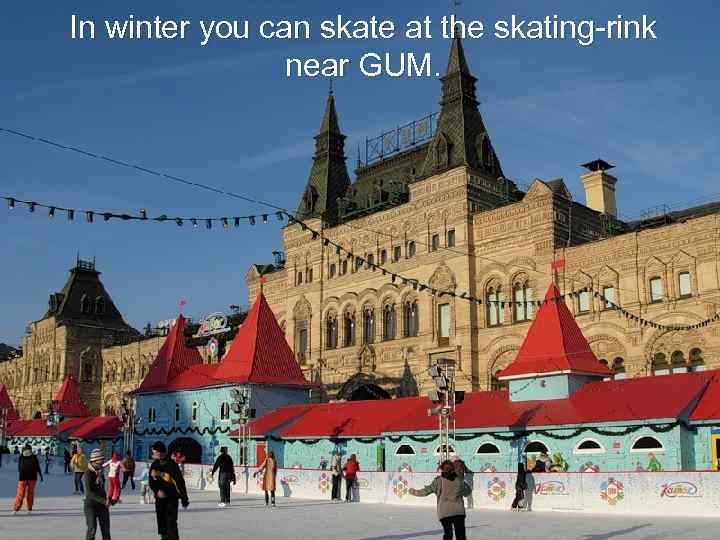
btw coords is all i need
(499, 360)
(362, 386)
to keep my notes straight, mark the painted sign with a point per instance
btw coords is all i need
(612, 491)
(213, 324)
(496, 489)
(679, 489)
(551, 487)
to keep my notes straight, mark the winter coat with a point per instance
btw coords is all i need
(351, 468)
(520, 481)
(450, 490)
(113, 467)
(225, 464)
(28, 467)
(270, 468)
(67, 457)
(94, 486)
(128, 465)
(165, 476)
(336, 465)
(79, 463)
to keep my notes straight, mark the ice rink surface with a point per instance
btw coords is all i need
(58, 516)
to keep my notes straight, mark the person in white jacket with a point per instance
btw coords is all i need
(114, 467)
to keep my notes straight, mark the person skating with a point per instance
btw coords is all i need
(28, 472)
(269, 467)
(450, 490)
(47, 460)
(351, 468)
(96, 503)
(66, 459)
(128, 466)
(168, 485)
(114, 467)
(336, 471)
(520, 487)
(79, 465)
(225, 465)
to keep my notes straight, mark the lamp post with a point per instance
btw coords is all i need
(53, 421)
(445, 398)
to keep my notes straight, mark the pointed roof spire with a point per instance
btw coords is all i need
(330, 118)
(554, 344)
(260, 353)
(173, 358)
(7, 404)
(456, 58)
(69, 402)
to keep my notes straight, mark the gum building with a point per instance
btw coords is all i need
(431, 202)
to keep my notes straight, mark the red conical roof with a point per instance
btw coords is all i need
(173, 358)
(7, 404)
(69, 401)
(259, 353)
(554, 344)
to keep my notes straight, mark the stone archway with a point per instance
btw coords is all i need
(362, 387)
(190, 448)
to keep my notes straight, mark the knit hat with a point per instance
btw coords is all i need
(159, 447)
(96, 455)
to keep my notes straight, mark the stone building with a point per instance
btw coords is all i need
(431, 204)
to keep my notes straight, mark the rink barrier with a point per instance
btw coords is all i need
(676, 493)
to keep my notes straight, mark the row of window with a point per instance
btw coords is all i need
(341, 268)
(586, 446)
(224, 413)
(90, 307)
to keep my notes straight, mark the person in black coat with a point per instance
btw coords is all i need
(168, 485)
(66, 457)
(225, 465)
(520, 487)
(28, 472)
(96, 504)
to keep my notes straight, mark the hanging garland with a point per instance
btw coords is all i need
(183, 431)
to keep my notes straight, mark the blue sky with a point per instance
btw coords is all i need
(226, 115)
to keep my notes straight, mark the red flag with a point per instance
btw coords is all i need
(558, 263)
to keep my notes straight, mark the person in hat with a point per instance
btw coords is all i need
(167, 483)
(28, 471)
(96, 502)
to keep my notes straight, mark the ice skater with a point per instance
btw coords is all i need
(351, 468)
(96, 504)
(336, 471)
(269, 467)
(114, 467)
(128, 465)
(226, 476)
(520, 487)
(66, 461)
(79, 465)
(450, 490)
(168, 485)
(28, 471)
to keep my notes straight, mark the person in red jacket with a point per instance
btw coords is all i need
(350, 469)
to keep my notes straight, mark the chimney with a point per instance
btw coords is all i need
(600, 187)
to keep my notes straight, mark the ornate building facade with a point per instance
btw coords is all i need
(440, 211)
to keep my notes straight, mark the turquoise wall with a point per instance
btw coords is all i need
(296, 453)
(546, 387)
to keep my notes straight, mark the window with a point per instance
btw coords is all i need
(309, 274)
(536, 447)
(177, 412)
(589, 446)
(99, 305)
(618, 367)
(656, 290)
(410, 318)
(383, 256)
(299, 278)
(343, 268)
(411, 249)
(302, 343)
(444, 322)
(358, 263)
(152, 415)
(194, 411)
(684, 284)
(388, 322)
(371, 261)
(697, 363)
(332, 270)
(397, 253)
(496, 384)
(487, 448)
(451, 238)
(659, 364)
(523, 297)
(609, 297)
(435, 242)
(495, 306)
(349, 329)
(85, 305)
(584, 301)
(404, 450)
(331, 330)
(225, 411)
(368, 325)
(643, 444)
(441, 449)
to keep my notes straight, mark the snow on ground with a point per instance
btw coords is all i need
(58, 516)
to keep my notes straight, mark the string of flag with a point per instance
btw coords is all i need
(358, 261)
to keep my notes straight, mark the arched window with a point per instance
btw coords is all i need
(618, 367)
(697, 362)
(643, 444)
(309, 274)
(440, 449)
(410, 318)
(388, 322)
(85, 305)
(331, 271)
(368, 325)
(523, 298)
(589, 446)
(404, 450)
(194, 411)
(496, 383)
(225, 411)
(331, 331)
(87, 371)
(684, 285)
(349, 328)
(177, 412)
(659, 364)
(100, 305)
(411, 249)
(536, 447)
(152, 415)
(487, 449)
(299, 278)
(495, 300)
(371, 262)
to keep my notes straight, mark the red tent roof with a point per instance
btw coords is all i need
(38, 427)
(173, 358)
(69, 401)
(275, 420)
(99, 427)
(709, 406)
(260, 353)
(554, 344)
(7, 404)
